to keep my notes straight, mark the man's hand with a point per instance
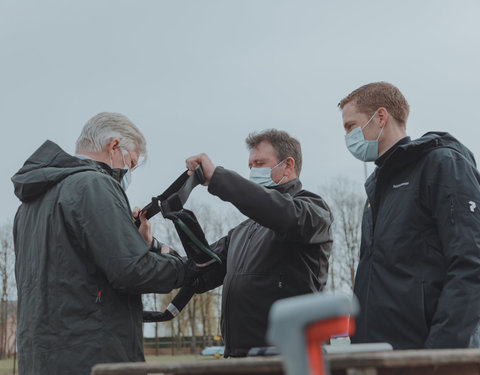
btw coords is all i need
(145, 228)
(207, 166)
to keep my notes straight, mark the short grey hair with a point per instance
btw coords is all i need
(102, 128)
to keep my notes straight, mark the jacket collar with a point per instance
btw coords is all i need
(407, 153)
(291, 187)
(116, 173)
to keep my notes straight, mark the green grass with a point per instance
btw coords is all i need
(6, 367)
(177, 358)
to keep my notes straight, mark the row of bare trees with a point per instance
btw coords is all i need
(8, 310)
(346, 199)
(200, 320)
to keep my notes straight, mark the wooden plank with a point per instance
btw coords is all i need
(233, 366)
(405, 358)
(397, 362)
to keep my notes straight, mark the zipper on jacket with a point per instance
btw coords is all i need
(367, 297)
(132, 324)
(99, 296)
(254, 229)
(226, 338)
(225, 334)
(452, 212)
(281, 281)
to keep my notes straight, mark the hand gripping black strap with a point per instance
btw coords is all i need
(170, 203)
(173, 308)
(191, 285)
(175, 196)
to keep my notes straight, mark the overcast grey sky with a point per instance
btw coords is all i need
(200, 75)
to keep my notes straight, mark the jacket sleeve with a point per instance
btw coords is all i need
(98, 217)
(304, 218)
(452, 195)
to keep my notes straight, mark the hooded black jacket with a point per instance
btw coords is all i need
(81, 265)
(281, 251)
(418, 279)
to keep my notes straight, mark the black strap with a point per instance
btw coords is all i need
(170, 203)
(175, 196)
(180, 301)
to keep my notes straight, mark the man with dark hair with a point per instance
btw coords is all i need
(280, 251)
(417, 280)
(284, 145)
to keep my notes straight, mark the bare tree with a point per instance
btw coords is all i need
(203, 311)
(346, 200)
(192, 321)
(205, 301)
(7, 308)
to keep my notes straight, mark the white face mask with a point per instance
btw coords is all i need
(362, 149)
(263, 176)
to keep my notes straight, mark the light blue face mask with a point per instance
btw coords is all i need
(126, 180)
(127, 177)
(362, 149)
(263, 176)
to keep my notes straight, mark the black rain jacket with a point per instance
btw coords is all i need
(81, 266)
(418, 280)
(281, 251)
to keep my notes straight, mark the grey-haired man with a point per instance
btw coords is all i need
(81, 263)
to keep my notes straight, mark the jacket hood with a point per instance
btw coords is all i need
(412, 151)
(46, 167)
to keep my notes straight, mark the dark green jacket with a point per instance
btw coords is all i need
(281, 251)
(418, 278)
(81, 266)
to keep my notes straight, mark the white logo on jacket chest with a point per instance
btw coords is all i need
(473, 205)
(400, 185)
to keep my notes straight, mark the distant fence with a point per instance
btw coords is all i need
(175, 345)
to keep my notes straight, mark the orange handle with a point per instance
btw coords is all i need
(318, 332)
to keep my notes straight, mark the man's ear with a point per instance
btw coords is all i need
(383, 116)
(290, 167)
(112, 145)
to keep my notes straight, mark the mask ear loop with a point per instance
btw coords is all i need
(279, 182)
(111, 160)
(371, 118)
(381, 131)
(110, 154)
(125, 164)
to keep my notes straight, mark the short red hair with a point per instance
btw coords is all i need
(372, 96)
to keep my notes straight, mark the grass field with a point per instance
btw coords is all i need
(6, 365)
(177, 358)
